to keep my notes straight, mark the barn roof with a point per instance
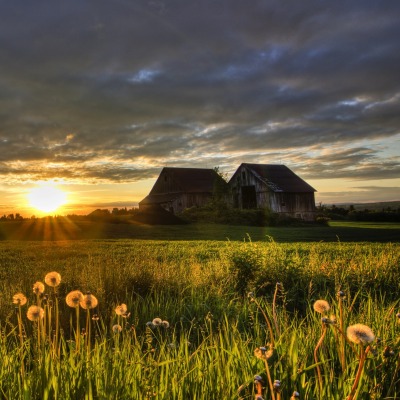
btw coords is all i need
(190, 180)
(279, 178)
(181, 180)
(158, 198)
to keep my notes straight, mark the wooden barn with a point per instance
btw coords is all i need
(275, 187)
(179, 188)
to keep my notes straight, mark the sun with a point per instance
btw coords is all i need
(47, 198)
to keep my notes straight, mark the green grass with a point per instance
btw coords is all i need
(201, 288)
(64, 229)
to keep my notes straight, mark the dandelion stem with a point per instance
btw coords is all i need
(321, 339)
(363, 356)
(258, 388)
(78, 331)
(274, 309)
(271, 386)
(341, 339)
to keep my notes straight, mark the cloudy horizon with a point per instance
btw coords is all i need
(100, 95)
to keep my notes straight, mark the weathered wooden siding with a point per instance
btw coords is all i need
(296, 205)
(185, 200)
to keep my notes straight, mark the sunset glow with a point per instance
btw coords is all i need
(313, 86)
(47, 198)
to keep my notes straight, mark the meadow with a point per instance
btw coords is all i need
(62, 228)
(199, 320)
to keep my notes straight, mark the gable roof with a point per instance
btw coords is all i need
(278, 178)
(187, 180)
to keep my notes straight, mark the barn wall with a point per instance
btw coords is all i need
(186, 200)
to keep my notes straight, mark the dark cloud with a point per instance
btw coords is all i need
(113, 90)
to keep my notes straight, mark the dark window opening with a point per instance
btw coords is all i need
(249, 198)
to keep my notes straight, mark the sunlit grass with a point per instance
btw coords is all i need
(203, 345)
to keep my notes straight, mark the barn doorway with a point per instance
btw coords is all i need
(249, 198)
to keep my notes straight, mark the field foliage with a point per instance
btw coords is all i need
(201, 288)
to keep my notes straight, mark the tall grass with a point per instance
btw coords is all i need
(209, 350)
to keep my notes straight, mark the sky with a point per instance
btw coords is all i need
(97, 96)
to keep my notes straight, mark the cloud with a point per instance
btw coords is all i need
(112, 91)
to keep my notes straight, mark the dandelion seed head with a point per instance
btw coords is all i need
(149, 324)
(295, 395)
(321, 306)
(35, 313)
(122, 309)
(19, 299)
(38, 287)
(277, 384)
(165, 324)
(157, 321)
(52, 279)
(117, 328)
(258, 378)
(74, 298)
(262, 353)
(89, 301)
(360, 334)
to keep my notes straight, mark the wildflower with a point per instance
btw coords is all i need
(157, 321)
(52, 279)
(327, 321)
(321, 306)
(258, 378)
(341, 294)
(277, 385)
(262, 353)
(259, 397)
(295, 395)
(38, 287)
(74, 298)
(149, 324)
(117, 328)
(121, 309)
(35, 313)
(19, 299)
(360, 334)
(95, 317)
(88, 301)
(165, 324)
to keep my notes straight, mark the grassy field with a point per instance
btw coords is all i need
(213, 344)
(64, 229)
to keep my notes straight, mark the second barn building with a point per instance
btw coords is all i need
(275, 187)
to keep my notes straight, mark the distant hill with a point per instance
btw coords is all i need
(378, 206)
